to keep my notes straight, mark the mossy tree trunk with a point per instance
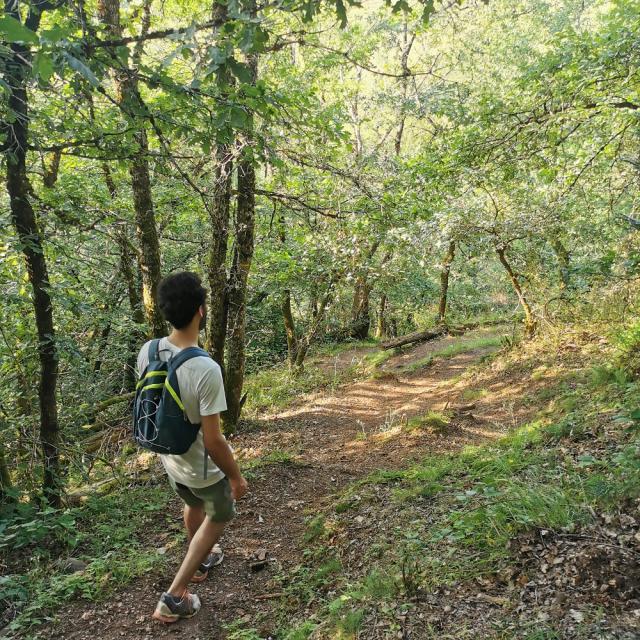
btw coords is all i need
(241, 265)
(6, 485)
(219, 212)
(23, 217)
(285, 306)
(131, 104)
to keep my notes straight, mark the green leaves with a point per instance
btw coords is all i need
(81, 68)
(43, 67)
(240, 70)
(13, 30)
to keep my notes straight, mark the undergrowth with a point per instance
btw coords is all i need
(103, 534)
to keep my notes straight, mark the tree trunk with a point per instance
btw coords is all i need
(130, 271)
(404, 80)
(530, 322)
(237, 287)
(50, 169)
(285, 306)
(381, 330)
(150, 262)
(131, 276)
(416, 336)
(219, 219)
(360, 317)
(217, 276)
(289, 328)
(5, 480)
(444, 281)
(130, 102)
(24, 220)
(305, 341)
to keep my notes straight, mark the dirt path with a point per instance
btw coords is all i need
(323, 444)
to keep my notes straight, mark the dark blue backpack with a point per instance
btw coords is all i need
(160, 423)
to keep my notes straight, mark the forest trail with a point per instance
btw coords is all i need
(314, 449)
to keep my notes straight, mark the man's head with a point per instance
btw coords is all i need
(181, 297)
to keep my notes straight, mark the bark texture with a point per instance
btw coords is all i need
(381, 328)
(217, 265)
(240, 267)
(132, 105)
(237, 308)
(26, 225)
(219, 210)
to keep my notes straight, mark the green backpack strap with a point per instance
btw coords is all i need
(181, 357)
(154, 350)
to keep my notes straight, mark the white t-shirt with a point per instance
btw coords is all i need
(202, 394)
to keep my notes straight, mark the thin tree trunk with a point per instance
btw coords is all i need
(237, 288)
(305, 341)
(404, 80)
(381, 329)
(287, 314)
(130, 271)
(24, 220)
(360, 317)
(444, 281)
(530, 322)
(289, 328)
(50, 168)
(219, 220)
(5, 480)
(130, 102)
(131, 277)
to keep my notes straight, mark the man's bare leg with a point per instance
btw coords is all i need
(193, 518)
(205, 537)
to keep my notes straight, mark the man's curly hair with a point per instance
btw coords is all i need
(179, 297)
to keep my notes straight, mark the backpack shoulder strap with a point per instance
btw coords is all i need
(154, 353)
(182, 356)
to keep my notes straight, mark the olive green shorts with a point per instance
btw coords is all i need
(215, 499)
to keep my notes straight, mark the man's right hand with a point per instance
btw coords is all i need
(239, 487)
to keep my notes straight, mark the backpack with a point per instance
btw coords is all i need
(160, 423)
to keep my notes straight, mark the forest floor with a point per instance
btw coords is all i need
(327, 508)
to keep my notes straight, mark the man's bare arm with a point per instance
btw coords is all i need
(221, 454)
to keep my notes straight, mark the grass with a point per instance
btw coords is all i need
(454, 349)
(276, 388)
(433, 420)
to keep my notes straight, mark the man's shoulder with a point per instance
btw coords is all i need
(144, 349)
(201, 364)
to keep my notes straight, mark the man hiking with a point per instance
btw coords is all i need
(206, 477)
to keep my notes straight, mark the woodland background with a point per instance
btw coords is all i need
(335, 172)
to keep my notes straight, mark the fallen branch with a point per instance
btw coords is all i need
(109, 435)
(99, 425)
(417, 336)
